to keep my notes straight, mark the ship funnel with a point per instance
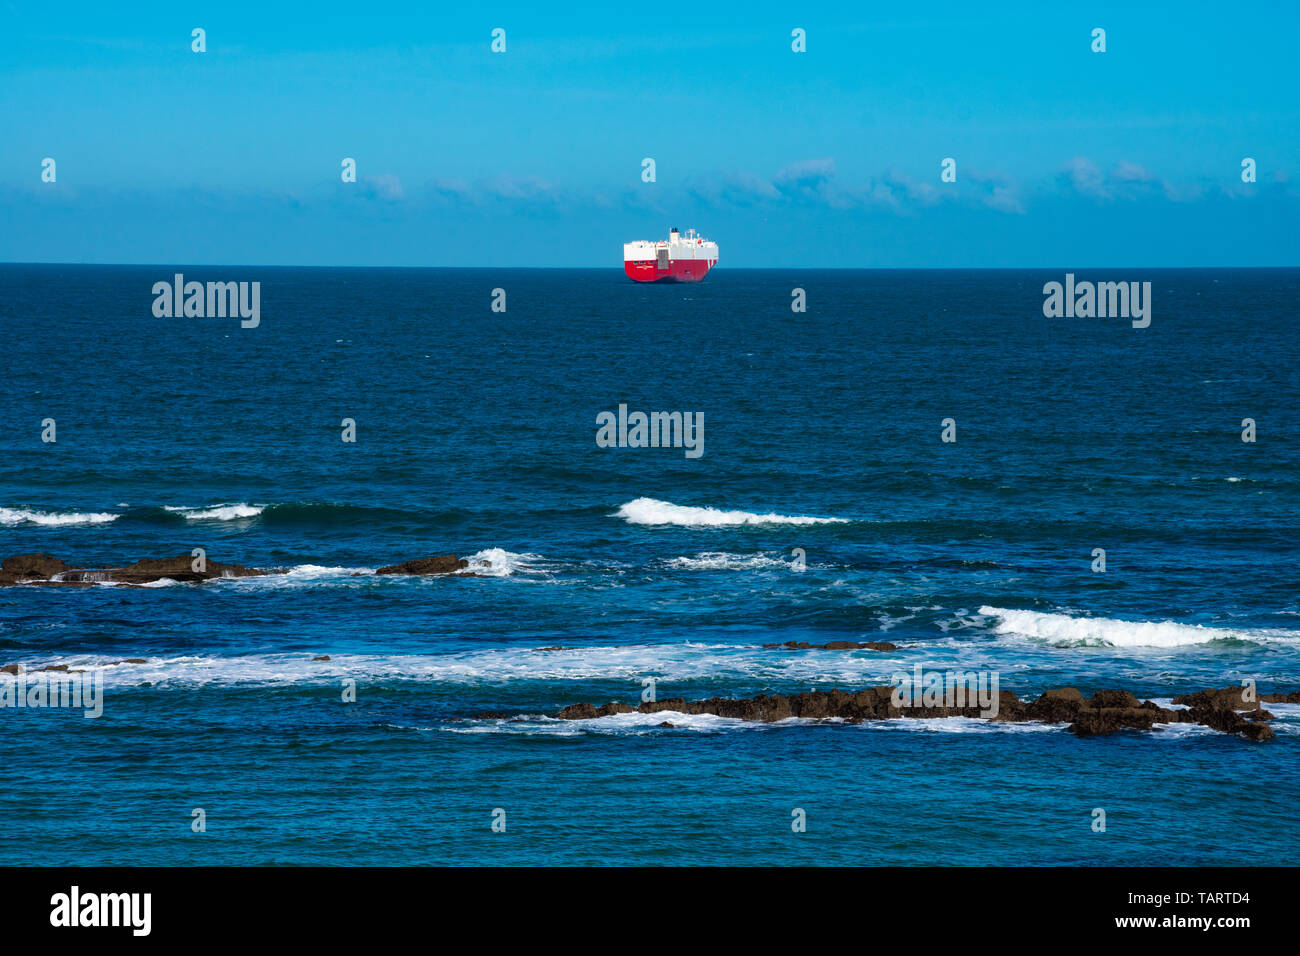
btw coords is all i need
(673, 234)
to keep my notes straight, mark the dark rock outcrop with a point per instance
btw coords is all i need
(1101, 721)
(32, 566)
(1110, 699)
(1222, 698)
(179, 568)
(437, 564)
(1056, 706)
(1106, 712)
(1231, 722)
(1290, 698)
(48, 571)
(1224, 708)
(589, 711)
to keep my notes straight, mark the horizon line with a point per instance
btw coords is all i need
(612, 268)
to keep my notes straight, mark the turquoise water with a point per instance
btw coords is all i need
(476, 434)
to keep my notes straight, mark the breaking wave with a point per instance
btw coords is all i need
(294, 514)
(499, 563)
(14, 517)
(1101, 631)
(651, 511)
(230, 512)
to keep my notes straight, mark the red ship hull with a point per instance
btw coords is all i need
(679, 270)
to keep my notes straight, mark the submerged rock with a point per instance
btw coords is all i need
(437, 564)
(14, 668)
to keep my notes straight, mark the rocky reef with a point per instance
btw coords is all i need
(1105, 712)
(45, 569)
(16, 669)
(437, 564)
(48, 571)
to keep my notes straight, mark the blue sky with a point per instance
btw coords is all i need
(831, 157)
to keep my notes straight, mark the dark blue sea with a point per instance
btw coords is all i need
(475, 434)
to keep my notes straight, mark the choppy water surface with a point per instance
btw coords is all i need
(475, 434)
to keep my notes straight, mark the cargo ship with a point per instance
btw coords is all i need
(681, 258)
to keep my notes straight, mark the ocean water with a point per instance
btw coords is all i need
(476, 435)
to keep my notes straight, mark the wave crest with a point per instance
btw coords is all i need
(651, 511)
(230, 512)
(499, 563)
(1082, 631)
(13, 517)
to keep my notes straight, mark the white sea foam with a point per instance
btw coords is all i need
(499, 563)
(492, 562)
(960, 725)
(1167, 703)
(615, 724)
(671, 663)
(312, 572)
(651, 511)
(641, 724)
(1175, 731)
(303, 576)
(1064, 629)
(724, 561)
(229, 512)
(13, 517)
